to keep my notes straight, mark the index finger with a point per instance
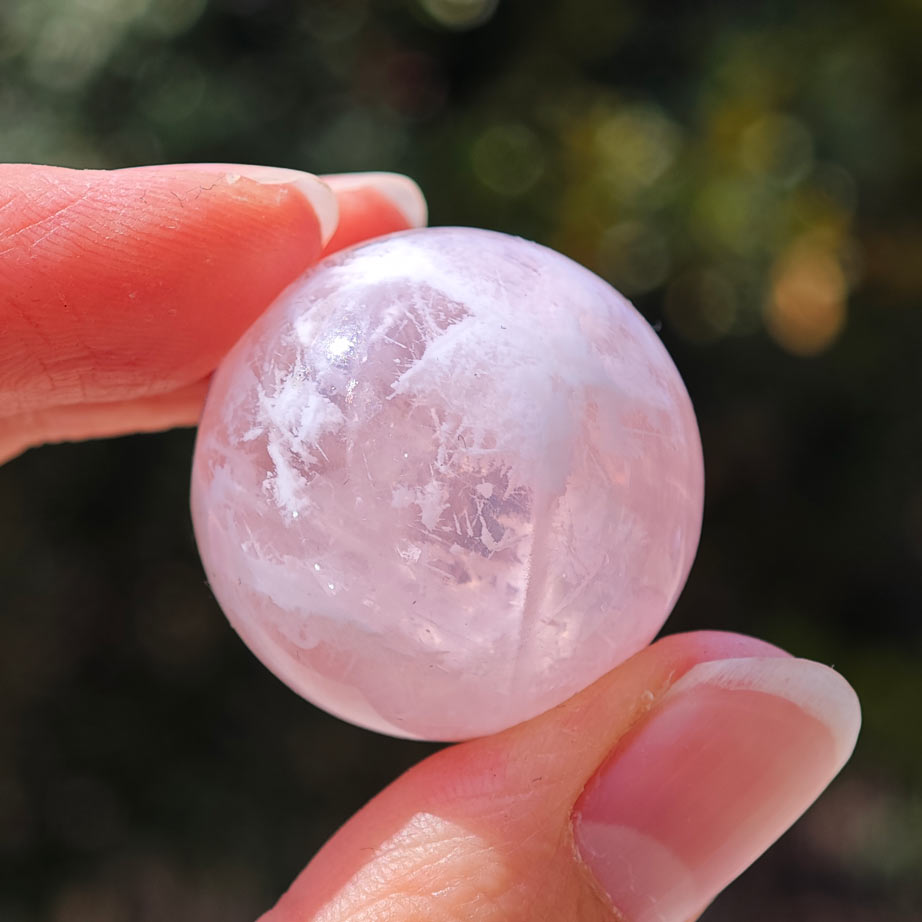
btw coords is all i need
(123, 289)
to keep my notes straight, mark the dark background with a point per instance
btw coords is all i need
(749, 173)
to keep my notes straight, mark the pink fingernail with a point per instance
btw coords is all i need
(317, 192)
(404, 194)
(732, 754)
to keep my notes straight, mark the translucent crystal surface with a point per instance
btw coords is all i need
(448, 480)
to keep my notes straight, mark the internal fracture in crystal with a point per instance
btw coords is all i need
(449, 479)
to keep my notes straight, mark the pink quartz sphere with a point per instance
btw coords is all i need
(446, 481)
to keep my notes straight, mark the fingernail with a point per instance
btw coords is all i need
(317, 192)
(730, 756)
(404, 194)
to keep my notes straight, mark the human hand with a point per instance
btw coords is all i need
(637, 800)
(121, 290)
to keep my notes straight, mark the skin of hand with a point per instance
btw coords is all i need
(637, 800)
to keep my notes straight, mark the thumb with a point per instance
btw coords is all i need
(637, 800)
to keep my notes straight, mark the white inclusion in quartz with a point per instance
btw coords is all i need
(294, 417)
(446, 481)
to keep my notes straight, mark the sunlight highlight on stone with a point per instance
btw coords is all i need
(448, 480)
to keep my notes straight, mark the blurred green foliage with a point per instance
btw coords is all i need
(750, 174)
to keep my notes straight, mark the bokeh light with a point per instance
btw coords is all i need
(508, 158)
(805, 310)
(778, 147)
(459, 14)
(635, 146)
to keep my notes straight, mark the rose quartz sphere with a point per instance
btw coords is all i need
(449, 479)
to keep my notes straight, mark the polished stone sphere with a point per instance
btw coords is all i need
(446, 481)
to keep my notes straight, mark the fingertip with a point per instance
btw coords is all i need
(401, 191)
(135, 282)
(314, 190)
(311, 189)
(372, 204)
(700, 646)
(725, 761)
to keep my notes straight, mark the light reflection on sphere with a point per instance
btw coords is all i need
(449, 479)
